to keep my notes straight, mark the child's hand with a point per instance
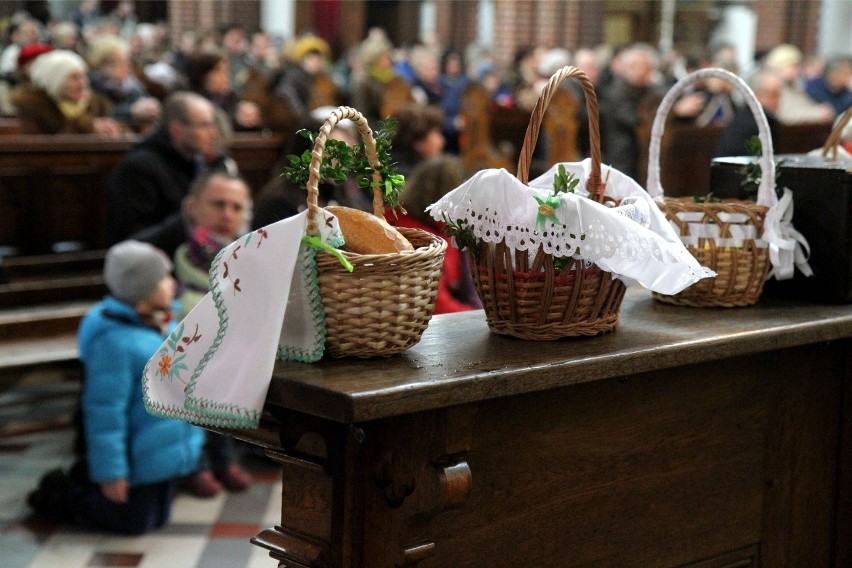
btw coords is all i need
(115, 491)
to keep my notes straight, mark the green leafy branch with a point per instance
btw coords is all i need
(709, 198)
(340, 161)
(751, 172)
(564, 181)
(461, 232)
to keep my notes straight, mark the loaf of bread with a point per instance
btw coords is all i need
(367, 234)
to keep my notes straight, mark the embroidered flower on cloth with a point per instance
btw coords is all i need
(173, 352)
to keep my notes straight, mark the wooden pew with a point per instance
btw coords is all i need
(493, 137)
(52, 279)
(41, 306)
(53, 188)
(478, 151)
(395, 94)
(687, 151)
(560, 128)
(801, 138)
(9, 126)
(53, 191)
(257, 154)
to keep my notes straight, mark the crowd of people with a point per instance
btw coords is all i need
(178, 198)
(110, 74)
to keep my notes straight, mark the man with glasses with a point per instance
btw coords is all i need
(148, 186)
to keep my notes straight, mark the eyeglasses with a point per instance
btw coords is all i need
(204, 124)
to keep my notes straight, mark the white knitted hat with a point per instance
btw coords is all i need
(50, 70)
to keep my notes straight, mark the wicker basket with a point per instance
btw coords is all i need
(725, 235)
(829, 149)
(521, 293)
(383, 306)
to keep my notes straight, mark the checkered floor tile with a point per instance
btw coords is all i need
(36, 436)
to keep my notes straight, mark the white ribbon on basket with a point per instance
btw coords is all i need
(264, 302)
(788, 247)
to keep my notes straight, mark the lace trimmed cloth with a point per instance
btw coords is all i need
(264, 302)
(634, 241)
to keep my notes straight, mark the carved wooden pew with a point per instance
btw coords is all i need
(478, 152)
(492, 138)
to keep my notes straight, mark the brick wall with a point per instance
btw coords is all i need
(518, 23)
(791, 21)
(203, 15)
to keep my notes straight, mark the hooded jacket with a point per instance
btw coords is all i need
(122, 439)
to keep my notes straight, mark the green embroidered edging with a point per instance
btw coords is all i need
(157, 409)
(211, 413)
(216, 414)
(308, 266)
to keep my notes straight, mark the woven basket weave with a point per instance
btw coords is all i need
(526, 298)
(384, 305)
(741, 264)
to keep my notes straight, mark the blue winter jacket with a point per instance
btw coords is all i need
(122, 439)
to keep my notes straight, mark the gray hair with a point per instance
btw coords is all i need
(176, 107)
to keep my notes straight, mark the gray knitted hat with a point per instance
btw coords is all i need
(133, 269)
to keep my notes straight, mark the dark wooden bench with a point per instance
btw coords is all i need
(10, 125)
(53, 188)
(42, 303)
(687, 151)
(52, 198)
(52, 278)
(39, 335)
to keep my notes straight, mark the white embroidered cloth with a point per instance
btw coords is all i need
(215, 368)
(633, 241)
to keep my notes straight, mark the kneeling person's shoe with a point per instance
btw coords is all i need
(234, 478)
(48, 501)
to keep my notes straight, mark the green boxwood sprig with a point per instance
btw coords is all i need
(340, 160)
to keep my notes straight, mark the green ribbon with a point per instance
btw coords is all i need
(546, 210)
(316, 242)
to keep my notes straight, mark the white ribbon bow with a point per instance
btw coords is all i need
(788, 248)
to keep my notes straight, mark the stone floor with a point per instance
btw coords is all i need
(36, 433)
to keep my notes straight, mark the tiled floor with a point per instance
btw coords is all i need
(36, 434)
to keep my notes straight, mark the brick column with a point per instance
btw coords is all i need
(588, 18)
(549, 29)
(514, 22)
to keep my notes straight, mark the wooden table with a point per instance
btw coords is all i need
(704, 438)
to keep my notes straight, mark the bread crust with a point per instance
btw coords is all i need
(367, 234)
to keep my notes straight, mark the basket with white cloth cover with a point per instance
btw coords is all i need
(744, 242)
(278, 293)
(549, 265)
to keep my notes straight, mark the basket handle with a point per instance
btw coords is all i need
(766, 191)
(593, 184)
(833, 140)
(336, 116)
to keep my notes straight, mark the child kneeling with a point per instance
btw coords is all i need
(125, 479)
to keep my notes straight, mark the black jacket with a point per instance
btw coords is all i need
(147, 187)
(732, 141)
